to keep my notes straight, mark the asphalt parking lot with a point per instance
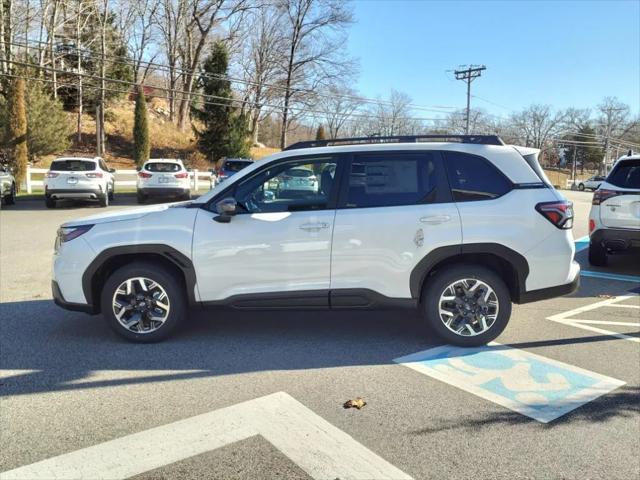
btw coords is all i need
(260, 394)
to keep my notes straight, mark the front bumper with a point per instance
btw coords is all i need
(164, 191)
(617, 239)
(61, 302)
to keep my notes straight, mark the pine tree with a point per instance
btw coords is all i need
(320, 135)
(17, 130)
(141, 145)
(226, 130)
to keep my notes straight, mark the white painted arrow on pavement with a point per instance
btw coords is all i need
(316, 446)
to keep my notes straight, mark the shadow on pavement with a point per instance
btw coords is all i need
(35, 203)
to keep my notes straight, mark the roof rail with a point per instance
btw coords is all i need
(477, 139)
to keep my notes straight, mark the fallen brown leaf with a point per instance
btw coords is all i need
(605, 295)
(355, 403)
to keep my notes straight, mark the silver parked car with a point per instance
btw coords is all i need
(7, 186)
(591, 183)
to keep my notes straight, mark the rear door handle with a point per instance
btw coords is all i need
(313, 227)
(435, 219)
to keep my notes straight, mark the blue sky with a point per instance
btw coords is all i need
(562, 53)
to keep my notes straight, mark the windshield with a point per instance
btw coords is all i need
(72, 166)
(235, 165)
(626, 174)
(163, 167)
(299, 172)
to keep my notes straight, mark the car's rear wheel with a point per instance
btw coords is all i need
(581, 187)
(597, 255)
(143, 302)
(49, 202)
(111, 192)
(467, 305)
(186, 196)
(141, 198)
(104, 200)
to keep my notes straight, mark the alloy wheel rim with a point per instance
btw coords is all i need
(141, 305)
(468, 307)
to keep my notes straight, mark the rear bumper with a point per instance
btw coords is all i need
(163, 191)
(616, 239)
(90, 193)
(61, 302)
(550, 292)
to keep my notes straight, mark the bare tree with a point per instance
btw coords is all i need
(338, 104)
(138, 22)
(314, 35)
(536, 125)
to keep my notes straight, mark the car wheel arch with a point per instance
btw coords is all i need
(113, 258)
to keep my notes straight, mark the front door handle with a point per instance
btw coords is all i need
(435, 219)
(314, 227)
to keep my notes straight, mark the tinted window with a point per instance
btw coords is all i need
(392, 179)
(474, 178)
(626, 174)
(235, 165)
(103, 165)
(72, 166)
(163, 167)
(280, 188)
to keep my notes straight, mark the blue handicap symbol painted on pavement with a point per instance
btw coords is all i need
(533, 385)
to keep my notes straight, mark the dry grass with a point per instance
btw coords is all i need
(260, 152)
(559, 177)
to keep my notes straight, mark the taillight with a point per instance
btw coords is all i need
(592, 225)
(144, 175)
(51, 174)
(181, 175)
(600, 196)
(559, 213)
(94, 175)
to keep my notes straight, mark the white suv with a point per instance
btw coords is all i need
(161, 177)
(77, 178)
(614, 221)
(459, 230)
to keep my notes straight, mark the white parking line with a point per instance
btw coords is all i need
(566, 318)
(320, 449)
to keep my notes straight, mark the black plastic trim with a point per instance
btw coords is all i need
(363, 298)
(424, 267)
(59, 300)
(629, 240)
(178, 259)
(163, 191)
(551, 292)
(475, 139)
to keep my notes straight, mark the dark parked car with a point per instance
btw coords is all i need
(228, 167)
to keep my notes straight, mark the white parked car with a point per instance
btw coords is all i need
(458, 228)
(7, 186)
(77, 178)
(298, 179)
(614, 221)
(160, 177)
(591, 183)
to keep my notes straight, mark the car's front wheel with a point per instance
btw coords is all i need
(581, 187)
(467, 305)
(143, 302)
(10, 199)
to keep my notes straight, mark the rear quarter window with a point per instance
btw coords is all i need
(72, 166)
(626, 174)
(474, 178)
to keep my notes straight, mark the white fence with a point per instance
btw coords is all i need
(123, 178)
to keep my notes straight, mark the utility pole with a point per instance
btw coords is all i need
(469, 75)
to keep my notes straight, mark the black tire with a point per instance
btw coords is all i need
(597, 255)
(104, 200)
(11, 198)
(435, 287)
(49, 202)
(141, 198)
(172, 286)
(581, 187)
(186, 196)
(111, 193)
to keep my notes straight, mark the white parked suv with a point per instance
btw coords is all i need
(161, 177)
(614, 221)
(77, 178)
(456, 226)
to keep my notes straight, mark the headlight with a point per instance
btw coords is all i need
(66, 234)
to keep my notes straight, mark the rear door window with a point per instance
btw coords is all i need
(626, 174)
(163, 167)
(235, 165)
(392, 179)
(474, 178)
(72, 166)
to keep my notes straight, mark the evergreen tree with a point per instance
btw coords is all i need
(17, 130)
(225, 132)
(142, 147)
(320, 135)
(48, 127)
(587, 156)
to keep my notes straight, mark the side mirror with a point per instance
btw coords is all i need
(226, 208)
(138, 169)
(112, 170)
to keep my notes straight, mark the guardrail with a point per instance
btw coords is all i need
(121, 180)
